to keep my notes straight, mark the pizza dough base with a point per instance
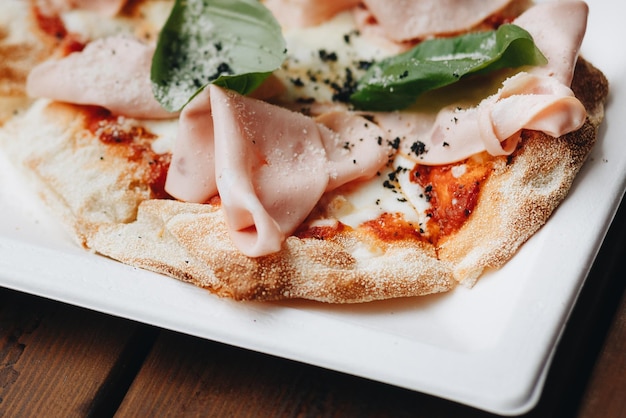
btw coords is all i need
(102, 198)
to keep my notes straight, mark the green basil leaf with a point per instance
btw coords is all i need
(396, 82)
(233, 43)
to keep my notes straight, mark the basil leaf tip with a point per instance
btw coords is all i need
(232, 43)
(396, 82)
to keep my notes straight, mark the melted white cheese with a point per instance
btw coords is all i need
(166, 131)
(320, 56)
(389, 192)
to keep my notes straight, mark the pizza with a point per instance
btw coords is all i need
(360, 159)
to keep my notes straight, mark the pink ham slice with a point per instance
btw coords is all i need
(269, 165)
(558, 29)
(404, 20)
(539, 99)
(110, 72)
(304, 13)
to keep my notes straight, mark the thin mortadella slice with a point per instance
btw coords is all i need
(539, 99)
(404, 20)
(304, 13)
(110, 72)
(354, 147)
(191, 175)
(494, 125)
(558, 29)
(270, 173)
(270, 165)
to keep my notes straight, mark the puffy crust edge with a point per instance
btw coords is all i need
(522, 193)
(191, 243)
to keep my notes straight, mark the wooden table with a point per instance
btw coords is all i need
(60, 360)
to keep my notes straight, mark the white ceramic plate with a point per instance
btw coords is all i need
(488, 347)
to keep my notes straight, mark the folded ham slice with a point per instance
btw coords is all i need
(539, 99)
(403, 20)
(269, 165)
(112, 72)
(494, 125)
(303, 13)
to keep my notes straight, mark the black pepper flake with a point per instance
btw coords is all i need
(343, 91)
(306, 100)
(223, 68)
(418, 148)
(297, 82)
(445, 144)
(327, 56)
(364, 65)
(395, 143)
(371, 118)
(405, 74)
(428, 192)
(347, 38)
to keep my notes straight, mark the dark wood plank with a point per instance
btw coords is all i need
(186, 376)
(606, 392)
(59, 360)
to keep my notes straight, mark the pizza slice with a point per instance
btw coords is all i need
(297, 195)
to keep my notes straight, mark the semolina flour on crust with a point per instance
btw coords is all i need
(106, 194)
(520, 195)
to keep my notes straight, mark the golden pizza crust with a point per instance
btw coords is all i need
(86, 182)
(191, 242)
(101, 193)
(519, 197)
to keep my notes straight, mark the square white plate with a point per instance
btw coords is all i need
(488, 347)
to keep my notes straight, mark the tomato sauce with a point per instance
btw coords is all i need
(452, 197)
(391, 227)
(324, 232)
(133, 142)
